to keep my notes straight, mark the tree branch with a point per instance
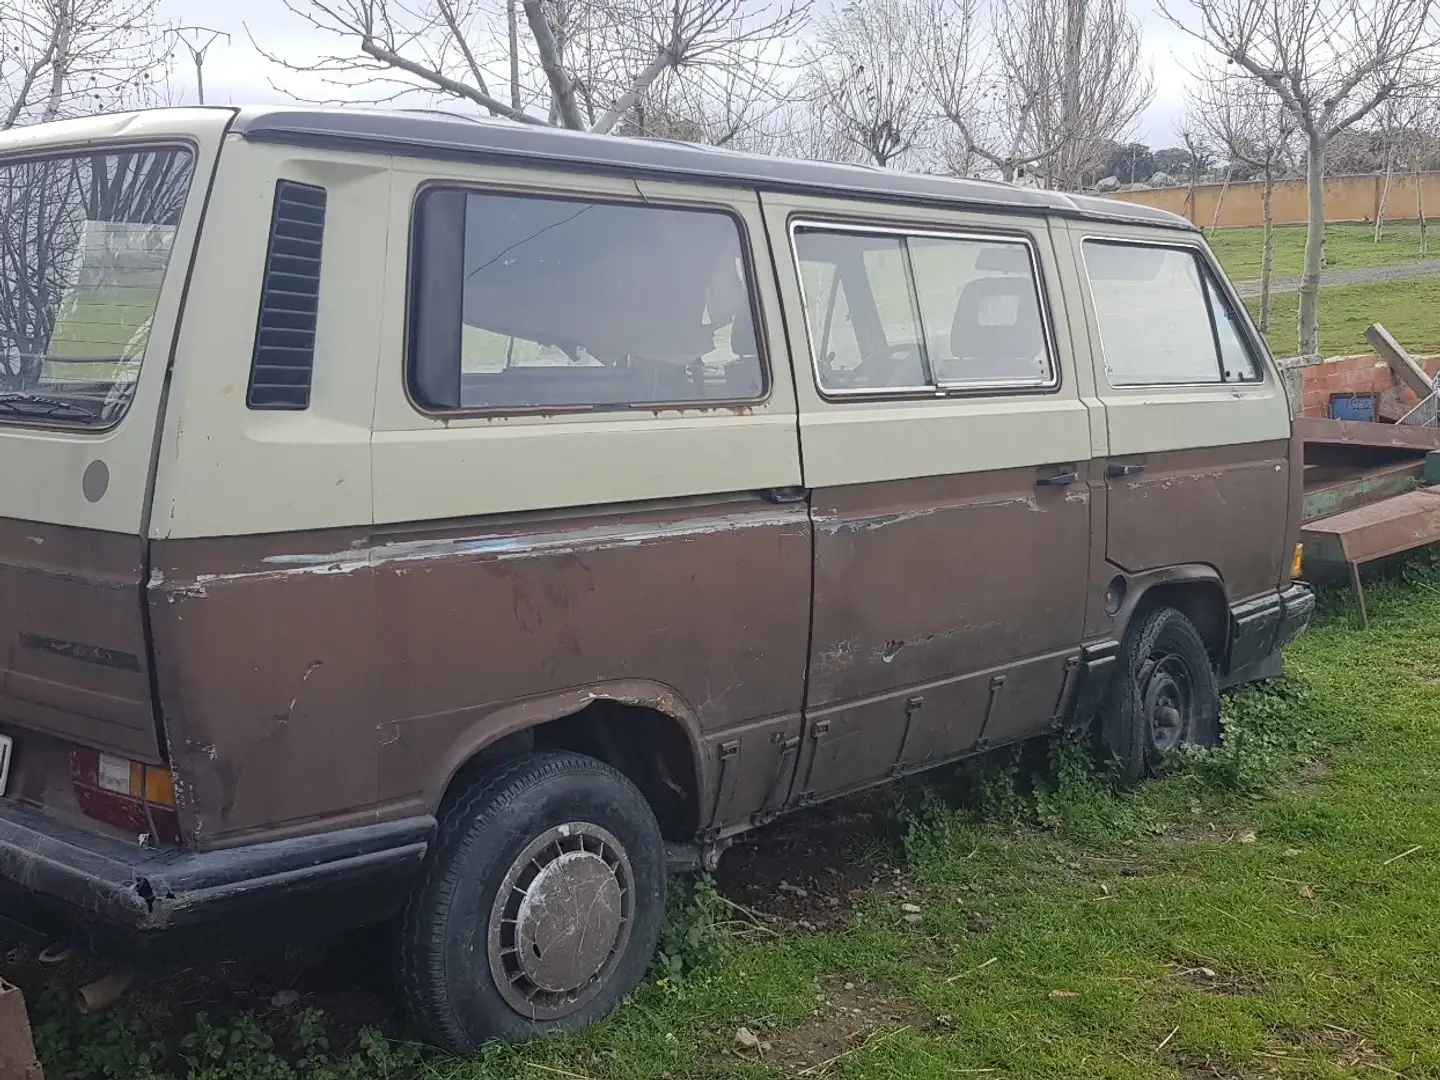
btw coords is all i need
(561, 85)
(637, 89)
(372, 48)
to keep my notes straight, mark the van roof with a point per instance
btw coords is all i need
(448, 136)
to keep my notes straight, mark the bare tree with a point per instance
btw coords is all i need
(582, 64)
(1246, 123)
(1046, 86)
(864, 74)
(1331, 63)
(63, 58)
(1404, 132)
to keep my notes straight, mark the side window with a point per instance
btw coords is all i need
(537, 302)
(981, 307)
(869, 302)
(1154, 309)
(929, 313)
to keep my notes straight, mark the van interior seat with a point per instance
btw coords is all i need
(996, 332)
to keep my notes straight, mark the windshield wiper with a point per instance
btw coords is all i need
(23, 403)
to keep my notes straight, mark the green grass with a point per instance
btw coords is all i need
(1347, 247)
(1406, 308)
(1239, 919)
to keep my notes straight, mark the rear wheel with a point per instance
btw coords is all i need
(540, 905)
(1163, 696)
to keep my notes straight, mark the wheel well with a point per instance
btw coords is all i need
(649, 747)
(1203, 603)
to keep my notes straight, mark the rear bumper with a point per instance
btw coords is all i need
(60, 879)
(1260, 627)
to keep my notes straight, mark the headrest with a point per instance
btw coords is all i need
(997, 332)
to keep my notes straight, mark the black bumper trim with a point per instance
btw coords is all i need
(95, 880)
(1260, 627)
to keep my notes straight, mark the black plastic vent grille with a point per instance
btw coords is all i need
(284, 358)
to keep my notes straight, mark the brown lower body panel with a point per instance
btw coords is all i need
(73, 624)
(345, 675)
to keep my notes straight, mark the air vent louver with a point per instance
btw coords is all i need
(284, 357)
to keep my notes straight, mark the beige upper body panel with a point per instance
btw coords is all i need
(225, 470)
(363, 452)
(429, 466)
(891, 436)
(1158, 419)
(45, 467)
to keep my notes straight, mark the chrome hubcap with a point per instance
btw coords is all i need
(561, 920)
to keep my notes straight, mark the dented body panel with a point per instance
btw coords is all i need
(407, 651)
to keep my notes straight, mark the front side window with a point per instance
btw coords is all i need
(85, 241)
(1161, 318)
(524, 302)
(932, 313)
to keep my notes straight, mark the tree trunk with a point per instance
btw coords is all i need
(59, 67)
(1420, 210)
(512, 21)
(1308, 324)
(1267, 250)
(1384, 197)
(1220, 199)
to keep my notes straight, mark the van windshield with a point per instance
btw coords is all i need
(84, 244)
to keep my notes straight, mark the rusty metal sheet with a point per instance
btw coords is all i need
(17, 1049)
(1389, 527)
(1331, 491)
(1361, 433)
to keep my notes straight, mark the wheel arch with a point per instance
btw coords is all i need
(646, 730)
(1195, 590)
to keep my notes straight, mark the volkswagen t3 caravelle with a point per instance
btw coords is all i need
(407, 519)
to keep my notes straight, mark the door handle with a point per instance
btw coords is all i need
(1060, 479)
(1116, 471)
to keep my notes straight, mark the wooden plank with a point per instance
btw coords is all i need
(1358, 433)
(1366, 486)
(1401, 362)
(1389, 527)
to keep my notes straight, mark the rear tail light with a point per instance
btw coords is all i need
(135, 797)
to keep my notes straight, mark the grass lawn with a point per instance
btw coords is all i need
(1269, 911)
(1347, 247)
(1407, 308)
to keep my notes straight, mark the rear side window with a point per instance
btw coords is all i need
(85, 241)
(1162, 318)
(525, 302)
(907, 311)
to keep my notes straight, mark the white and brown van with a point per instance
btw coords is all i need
(460, 523)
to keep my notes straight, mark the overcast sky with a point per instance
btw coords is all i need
(235, 73)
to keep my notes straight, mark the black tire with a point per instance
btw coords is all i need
(1163, 695)
(542, 829)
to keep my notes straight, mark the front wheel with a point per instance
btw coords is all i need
(540, 904)
(1163, 696)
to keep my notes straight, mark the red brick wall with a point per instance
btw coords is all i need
(1362, 374)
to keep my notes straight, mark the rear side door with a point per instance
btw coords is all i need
(945, 444)
(1198, 471)
(99, 220)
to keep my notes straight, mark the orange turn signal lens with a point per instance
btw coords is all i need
(159, 787)
(1297, 563)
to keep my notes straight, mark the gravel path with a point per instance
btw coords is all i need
(1363, 276)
